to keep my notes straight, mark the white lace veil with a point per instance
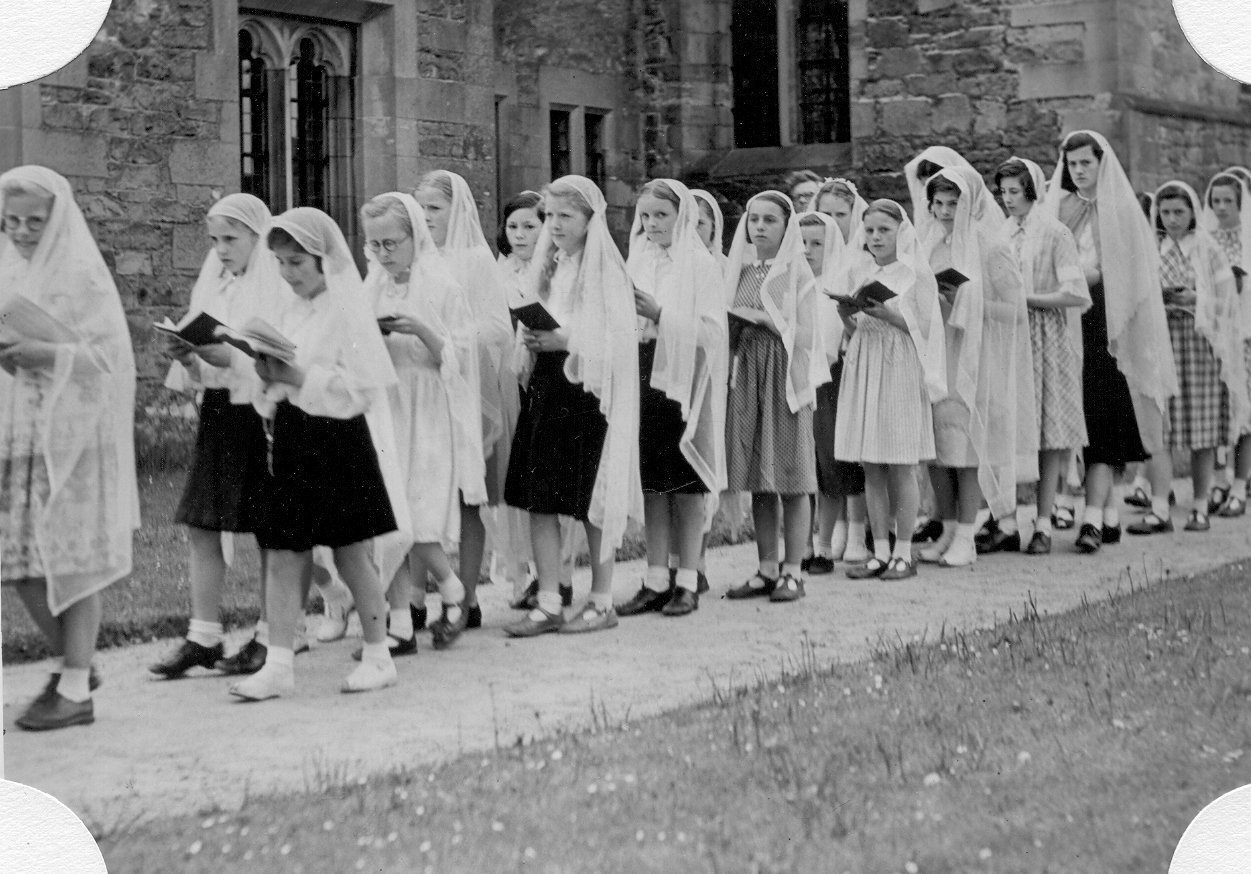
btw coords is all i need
(946, 157)
(858, 203)
(788, 294)
(88, 407)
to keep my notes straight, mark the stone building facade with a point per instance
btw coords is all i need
(327, 102)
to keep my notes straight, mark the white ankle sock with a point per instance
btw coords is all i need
(1159, 506)
(1064, 501)
(601, 600)
(881, 549)
(452, 594)
(1092, 516)
(1008, 524)
(204, 633)
(1239, 489)
(838, 541)
(966, 532)
(73, 684)
(280, 657)
(903, 549)
(401, 623)
(657, 579)
(549, 602)
(688, 579)
(262, 633)
(1111, 517)
(376, 652)
(794, 570)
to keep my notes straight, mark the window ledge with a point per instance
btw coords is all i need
(778, 159)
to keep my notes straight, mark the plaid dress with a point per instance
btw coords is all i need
(1230, 241)
(1198, 417)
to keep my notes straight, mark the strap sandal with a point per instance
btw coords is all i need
(899, 569)
(872, 568)
(1233, 508)
(1198, 521)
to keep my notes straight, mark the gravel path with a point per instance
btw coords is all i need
(161, 747)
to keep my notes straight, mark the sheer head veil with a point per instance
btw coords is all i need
(833, 280)
(262, 291)
(603, 354)
(88, 407)
(1138, 335)
(918, 294)
(986, 210)
(1209, 222)
(787, 296)
(686, 369)
(836, 187)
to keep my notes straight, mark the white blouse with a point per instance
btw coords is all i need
(324, 351)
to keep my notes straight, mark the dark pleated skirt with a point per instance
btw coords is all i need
(557, 445)
(1111, 424)
(835, 479)
(224, 488)
(326, 488)
(662, 466)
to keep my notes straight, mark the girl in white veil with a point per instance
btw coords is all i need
(1201, 299)
(69, 498)
(975, 428)
(1227, 218)
(919, 171)
(840, 200)
(429, 332)
(1126, 382)
(333, 473)
(452, 216)
(238, 281)
(575, 450)
(682, 347)
(1054, 284)
(778, 362)
(893, 373)
(711, 225)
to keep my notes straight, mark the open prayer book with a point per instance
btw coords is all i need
(23, 319)
(256, 338)
(865, 296)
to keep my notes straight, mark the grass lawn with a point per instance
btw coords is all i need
(1084, 742)
(155, 601)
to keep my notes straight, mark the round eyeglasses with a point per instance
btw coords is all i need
(385, 245)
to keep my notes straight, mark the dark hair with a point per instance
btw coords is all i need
(810, 220)
(1173, 192)
(781, 201)
(927, 168)
(795, 177)
(525, 200)
(1227, 180)
(278, 238)
(940, 185)
(1146, 200)
(888, 208)
(1015, 169)
(659, 188)
(1079, 140)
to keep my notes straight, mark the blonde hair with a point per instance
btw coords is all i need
(17, 188)
(385, 205)
(559, 190)
(440, 181)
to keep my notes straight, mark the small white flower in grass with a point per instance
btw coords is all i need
(639, 836)
(932, 779)
(225, 849)
(230, 829)
(243, 831)
(247, 857)
(911, 867)
(1117, 723)
(530, 853)
(847, 690)
(557, 755)
(628, 778)
(660, 836)
(328, 825)
(1023, 758)
(421, 809)
(210, 822)
(195, 848)
(681, 837)
(919, 816)
(424, 848)
(497, 826)
(877, 681)
(393, 837)
(285, 849)
(592, 789)
(456, 839)
(961, 750)
(984, 853)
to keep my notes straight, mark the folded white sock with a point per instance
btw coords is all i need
(549, 602)
(204, 633)
(1092, 516)
(401, 623)
(688, 579)
(657, 579)
(73, 684)
(376, 652)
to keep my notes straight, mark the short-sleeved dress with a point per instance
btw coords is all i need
(769, 449)
(884, 410)
(1198, 416)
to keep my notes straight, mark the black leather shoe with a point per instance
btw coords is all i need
(1089, 539)
(52, 711)
(820, 564)
(806, 564)
(419, 614)
(645, 600)
(1151, 524)
(529, 598)
(929, 532)
(1039, 544)
(987, 532)
(475, 616)
(248, 660)
(1000, 542)
(189, 655)
(443, 632)
(566, 596)
(1111, 534)
(747, 591)
(680, 603)
(701, 583)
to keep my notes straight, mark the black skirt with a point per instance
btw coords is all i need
(662, 466)
(1111, 424)
(835, 479)
(557, 445)
(326, 488)
(224, 488)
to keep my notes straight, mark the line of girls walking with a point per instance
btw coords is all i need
(416, 413)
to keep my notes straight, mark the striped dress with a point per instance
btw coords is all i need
(884, 411)
(769, 449)
(1198, 417)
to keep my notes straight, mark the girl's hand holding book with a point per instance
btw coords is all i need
(645, 305)
(879, 310)
(180, 350)
(545, 341)
(400, 324)
(272, 370)
(216, 354)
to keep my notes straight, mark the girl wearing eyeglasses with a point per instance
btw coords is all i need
(429, 332)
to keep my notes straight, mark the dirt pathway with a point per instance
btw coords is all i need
(160, 747)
